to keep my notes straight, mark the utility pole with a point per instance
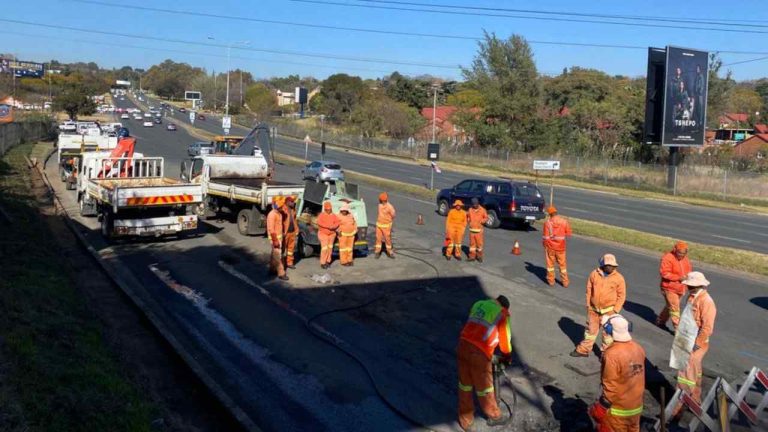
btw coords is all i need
(215, 90)
(241, 87)
(226, 108)
(434, 112)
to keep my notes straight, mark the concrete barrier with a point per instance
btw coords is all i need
(13, 134)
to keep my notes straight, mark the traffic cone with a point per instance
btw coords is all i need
(516, 248)
(420, 219)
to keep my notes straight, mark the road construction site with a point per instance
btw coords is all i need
(372, 347)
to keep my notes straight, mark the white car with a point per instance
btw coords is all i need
(137, 117)
(148, 124)
(148, 115)
(124, 116)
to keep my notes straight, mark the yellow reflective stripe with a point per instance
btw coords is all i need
(326, 247)
(381, 225)
(279, 236)
(345, 249)
(472, 248)
(475, 230)
(563, 271)
(626, 412)
(484, 391)
(463, 387)
(675, 314)
(348, 234)
(603, 310)
(550, 269)
(682, 380)
(289, 253)
(588, 336)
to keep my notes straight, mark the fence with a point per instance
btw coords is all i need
(706, 181)
(13, 134)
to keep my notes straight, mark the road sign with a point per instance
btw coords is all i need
(546, 165)
(192, 117)
(226, 123)
(226, 131)
(433, 151)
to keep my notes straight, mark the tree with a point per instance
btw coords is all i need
(341, 94)
(380, 114)
(742, 99)
(74, 101)
(718, 89)
(170, 79)
(260, 99)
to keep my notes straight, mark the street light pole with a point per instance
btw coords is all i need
(226, 109)
(434, 114)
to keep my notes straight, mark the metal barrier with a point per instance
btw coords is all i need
(131, 167)
(735, 400)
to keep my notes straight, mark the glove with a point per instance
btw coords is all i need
(598, 412)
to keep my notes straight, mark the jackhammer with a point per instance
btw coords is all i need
(499, 364)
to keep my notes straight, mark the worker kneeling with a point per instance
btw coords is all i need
(623, 380)
(487, 327)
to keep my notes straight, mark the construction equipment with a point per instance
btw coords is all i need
(72, 145)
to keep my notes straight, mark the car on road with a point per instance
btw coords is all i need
(158, 114)
(182, 110)
(138, 117)
(148, 115)
(148, 124)
(200, 117)
(200, 148)
(158, 120)
(515, 201)
(170, 127)
(125, 116)
(322, 171)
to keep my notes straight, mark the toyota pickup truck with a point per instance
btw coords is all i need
(514, 201)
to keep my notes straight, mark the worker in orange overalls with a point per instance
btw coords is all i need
(327, 224)
(291, 226)
(347, 231)
(673, 269)
(606, 292)
(384, 225)
(455, 224)
(623, 380)
(477, 217)
(275, 234)
(555, 231)
(703, 311)
(486, 328)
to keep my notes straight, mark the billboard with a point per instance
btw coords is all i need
(122, 83)
(300, 95)
(26, 69)
(192, 95)
(685, 97)
(654, 95)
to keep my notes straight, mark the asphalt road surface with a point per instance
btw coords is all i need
(676, 220)
(409, 339)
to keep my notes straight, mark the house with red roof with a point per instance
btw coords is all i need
(445, 128)
(755, 146)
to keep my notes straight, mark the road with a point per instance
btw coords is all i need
(680, 221)
(408, 339)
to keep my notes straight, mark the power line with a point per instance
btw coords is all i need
(488, 14)
(271, 51)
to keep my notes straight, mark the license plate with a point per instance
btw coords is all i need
(531, 218)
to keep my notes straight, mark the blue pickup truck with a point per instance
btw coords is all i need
(515, 201)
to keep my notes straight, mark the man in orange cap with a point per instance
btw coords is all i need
(673, 269)
(477, 217)
(384, 225)
(554, 233)
(455, 224)
(291, 226)
(606, 293)
(327, 224)
(275, 234)
(347, 232)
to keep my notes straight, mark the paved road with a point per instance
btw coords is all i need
(680, 221)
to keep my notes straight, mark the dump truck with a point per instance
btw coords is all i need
(70, 148)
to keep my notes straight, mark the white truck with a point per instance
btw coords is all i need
(132, 197)
(71, 147)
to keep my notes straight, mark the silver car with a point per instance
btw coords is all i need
(322, 171)
(200, 148)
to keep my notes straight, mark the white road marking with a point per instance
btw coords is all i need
(731, 238)
(575, 210)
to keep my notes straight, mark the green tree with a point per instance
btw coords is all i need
(742, 99)
(341, 94)
(170, 79)
(718, 89)
(74, 101)
(260, 99)
(380, 114)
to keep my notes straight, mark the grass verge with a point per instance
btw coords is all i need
(56, 373)
(730, 258)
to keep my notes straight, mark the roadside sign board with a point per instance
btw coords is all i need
(546, 165)
(226, 131)
(433, 151)
(226, 123)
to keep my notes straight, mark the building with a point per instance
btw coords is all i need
(734, 127)
(755, 146)
(289, 98)
(445, 129)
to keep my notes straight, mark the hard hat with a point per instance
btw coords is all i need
(344, 207)
(279, 200)
(458, 203)
(383, 196)
(123, 133)
(551, 210)
(608, 260)
(327, 205)
(681, 246)
(695, 279)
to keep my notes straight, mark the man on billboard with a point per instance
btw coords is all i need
(685, 97)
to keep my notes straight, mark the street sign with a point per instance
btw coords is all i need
(546, 165)
(433, 151)
(192, 117)
(226, 131)
(226, 124)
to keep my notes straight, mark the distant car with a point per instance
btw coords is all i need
(138, 117)
(148, 124)
(200, 148)
(182, 110)
(124, 116)
(200, 117)
(158, 120)
(322, 171)
(157, 114)
(148, 115)
(517, 201)
(170, 127)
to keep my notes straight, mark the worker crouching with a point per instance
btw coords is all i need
(347, 232)
(487, 327)
(327, 224)
(455, 225)
(275, 234)
(477, 217)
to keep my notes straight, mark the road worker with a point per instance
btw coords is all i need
(477, 217)
(347, 231)
(275, 234)
(697, 320)
(606, 292)
(486, 328)
(384, 226)
(455, 224)
(327, 224)
(554, 233)
(291, 227)
(673, 269)
(623, 380)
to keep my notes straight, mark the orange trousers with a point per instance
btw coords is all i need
(552, 257)
(689, 379)
(326, 246)
(383, 235)
(671, 308)
(290, 246)
(475, 244)
(346, 245)
(475, 372)
(276, 262)
(622, 424)
(455, 235)
(590, 334)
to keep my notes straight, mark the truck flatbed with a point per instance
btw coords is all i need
(111, 183)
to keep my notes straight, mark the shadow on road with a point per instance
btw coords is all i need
(570, 412)
(575, 332)
(641, 311)
(760, 301)
(539, 272)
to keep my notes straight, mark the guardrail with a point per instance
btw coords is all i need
(13, 134)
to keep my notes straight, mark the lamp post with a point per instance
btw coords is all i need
(229, 51)
(434, 112)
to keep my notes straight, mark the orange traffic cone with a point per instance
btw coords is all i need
(515, 249)
(420, 219)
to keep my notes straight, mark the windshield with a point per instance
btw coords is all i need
(333, 166)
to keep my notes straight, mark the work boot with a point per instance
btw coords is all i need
(283, 277)
(458, 258)
(576, 353)
(378, 255)
(479, 259)
(391, 255)
(448, 257)
(501, 420)
(470, 259)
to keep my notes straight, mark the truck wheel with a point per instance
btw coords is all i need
(493, 220)
(107, 225)
(442, 207)
(305, 249)
(243, 219)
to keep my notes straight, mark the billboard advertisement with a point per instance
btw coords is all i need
(192, 95)
(300, 95)
(685, 97)
(26, 69)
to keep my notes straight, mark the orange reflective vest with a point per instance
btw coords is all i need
(704, 312)
(347, 225)
(555, 231)
(606, 292)
(275, 225)
(456, 219)
(386, 215)
(291, 225)
(477, 218)
(623, 378)
(327, 223)
(672, 271)
(488, 327)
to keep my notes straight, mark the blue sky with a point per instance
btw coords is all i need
(436, 56)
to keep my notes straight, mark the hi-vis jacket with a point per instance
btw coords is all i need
(275, 226)
(704, 312)
(606, 293)
(477, 217)
(673, 271)
(347, 225)
(623, 378)
(488, 327)
(386, 215)
(556, 229)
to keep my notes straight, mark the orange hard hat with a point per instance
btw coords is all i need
(327, 205)
(458, 203)
(383, 196)
(551, 210)
(681, 246)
